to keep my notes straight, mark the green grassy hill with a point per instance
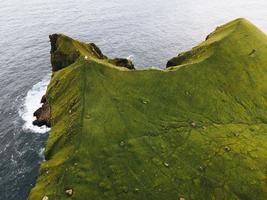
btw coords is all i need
(195, 131)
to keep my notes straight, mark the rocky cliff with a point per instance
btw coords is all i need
(196, 130)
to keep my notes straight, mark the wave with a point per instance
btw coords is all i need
(31, 104)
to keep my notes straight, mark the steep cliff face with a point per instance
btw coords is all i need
(196, 130)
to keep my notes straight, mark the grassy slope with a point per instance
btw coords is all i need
(197, 130)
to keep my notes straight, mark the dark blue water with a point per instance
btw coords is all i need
(152, 31)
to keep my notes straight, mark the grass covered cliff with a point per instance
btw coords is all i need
(196, 130)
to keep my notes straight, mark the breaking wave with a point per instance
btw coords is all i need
(31, 104)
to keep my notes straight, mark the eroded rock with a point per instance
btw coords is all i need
(123, 62)
(42, 114)
(59, 59)
(96, 50)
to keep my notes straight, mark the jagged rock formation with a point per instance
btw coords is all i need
(123, 62)
(196, 130)
(42, 114)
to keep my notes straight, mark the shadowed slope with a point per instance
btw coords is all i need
(196, 130)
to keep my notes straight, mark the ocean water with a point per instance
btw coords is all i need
(149, 31)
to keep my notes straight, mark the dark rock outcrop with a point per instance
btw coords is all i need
(42, 114)
(53, 41)
(176, 60)
(123, 62)
(59, 59)
(96, 50)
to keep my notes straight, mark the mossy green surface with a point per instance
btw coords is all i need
(196, 130)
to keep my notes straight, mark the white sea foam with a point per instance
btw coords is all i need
(31, 104)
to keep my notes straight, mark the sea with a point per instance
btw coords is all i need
(148, 31)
